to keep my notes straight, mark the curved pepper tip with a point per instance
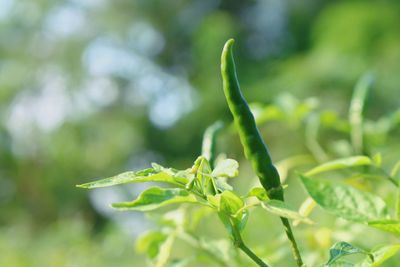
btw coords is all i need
(230, 41)
(229, 44)
(226, 52)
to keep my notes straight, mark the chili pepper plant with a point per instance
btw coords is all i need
(205, 188)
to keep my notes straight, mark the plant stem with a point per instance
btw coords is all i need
(251, 254)
(295, 249)
(241, 245)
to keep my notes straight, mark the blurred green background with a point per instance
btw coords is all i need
(92, 88)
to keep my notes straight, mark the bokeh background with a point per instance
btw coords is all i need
(92, 88)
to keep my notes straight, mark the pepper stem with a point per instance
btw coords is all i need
(290, 236)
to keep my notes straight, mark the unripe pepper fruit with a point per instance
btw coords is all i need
(254, 147)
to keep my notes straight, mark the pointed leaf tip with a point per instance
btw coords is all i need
(147, 175)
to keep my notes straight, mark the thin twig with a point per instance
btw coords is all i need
(295, 249)
(242, 246)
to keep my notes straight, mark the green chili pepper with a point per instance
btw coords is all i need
(254, 147)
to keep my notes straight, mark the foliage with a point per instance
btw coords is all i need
(209, 187)
(90, 88)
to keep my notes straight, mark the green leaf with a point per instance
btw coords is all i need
(148, 175)
(230, 203)
(340, 164)
(150, 243)
(258, 192)
(380, 255)
(281, 209)
(203, 175)
(182, 176)
(222, 185)
(342, 249)
(390, 226)
(226, 168)
(156, 197)
(231, 212)
(345, 201)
